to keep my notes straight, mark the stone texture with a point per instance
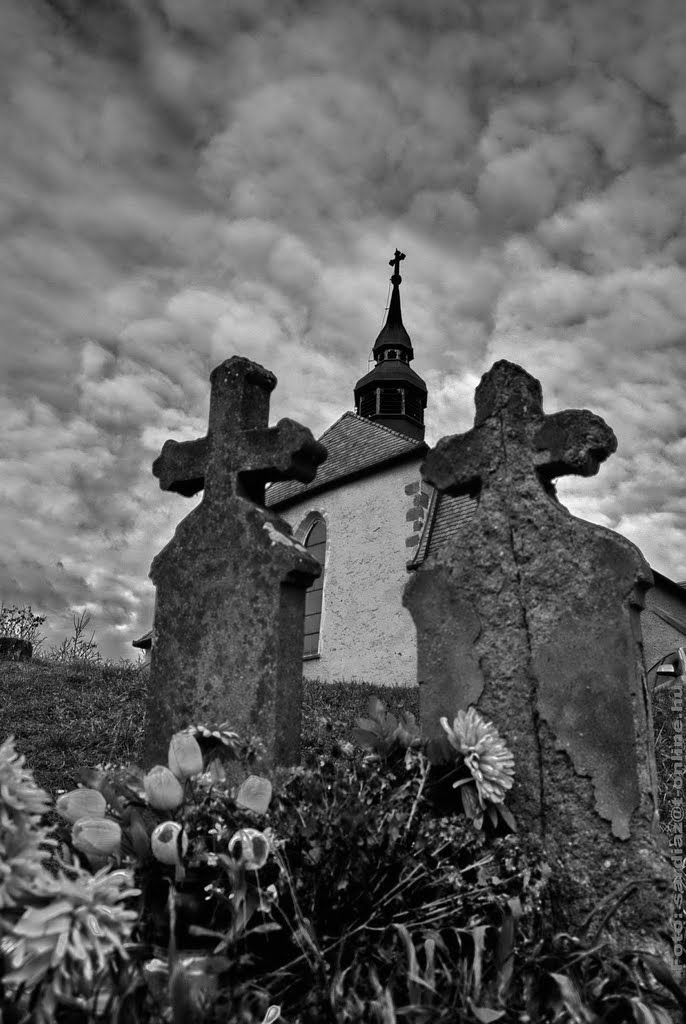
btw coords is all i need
(14, 649)
(227, 638)
(532, 615)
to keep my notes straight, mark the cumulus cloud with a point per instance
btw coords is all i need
(182, 182)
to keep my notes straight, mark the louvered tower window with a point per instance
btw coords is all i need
(315, 542)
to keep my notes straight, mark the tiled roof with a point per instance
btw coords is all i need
(355, 446)
(446, 517)
(143, 641)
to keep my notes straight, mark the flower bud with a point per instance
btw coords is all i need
(185, 756)
(255, 794)
(169, 842)
(249, 848)
(163, 790)
(98, 838)
(81, 803)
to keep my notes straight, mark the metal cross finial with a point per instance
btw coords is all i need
(395, 263)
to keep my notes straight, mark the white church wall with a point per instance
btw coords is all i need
(371, 523)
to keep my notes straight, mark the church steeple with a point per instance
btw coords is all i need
(392, 393)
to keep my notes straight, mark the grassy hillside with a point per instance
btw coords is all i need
(65, 716)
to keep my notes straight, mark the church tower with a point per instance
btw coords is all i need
(392, 394)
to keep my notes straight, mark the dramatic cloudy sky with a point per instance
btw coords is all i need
(181, 181)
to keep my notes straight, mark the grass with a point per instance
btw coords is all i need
(64, 716)
(67, 716)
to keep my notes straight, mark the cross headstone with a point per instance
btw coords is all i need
(532, 615)
(228, 631)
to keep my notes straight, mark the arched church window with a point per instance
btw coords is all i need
(315, 542)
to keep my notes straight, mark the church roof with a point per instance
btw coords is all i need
(446, 517)
(392, 371)
(356, 446)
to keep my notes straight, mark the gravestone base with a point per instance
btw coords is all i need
(234, 653)
(14, 649)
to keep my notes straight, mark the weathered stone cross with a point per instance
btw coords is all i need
(227, 639)
(532, 615)
(240, 453)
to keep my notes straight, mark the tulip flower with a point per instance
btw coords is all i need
(169, 843)
(249, 848)
(255, 794)
(185, 756)
(81, 803)
(98, 838)
(163, 790)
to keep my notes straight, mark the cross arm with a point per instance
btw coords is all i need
(575, 441)
(287, 451)
(181, 466)
(456, 465)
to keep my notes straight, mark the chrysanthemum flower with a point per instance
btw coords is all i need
(485, 755)
(19, 794)
(67, 945)
(24, 843)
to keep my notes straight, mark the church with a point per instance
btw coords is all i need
(370, 520)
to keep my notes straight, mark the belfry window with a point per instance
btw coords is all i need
(315, 542)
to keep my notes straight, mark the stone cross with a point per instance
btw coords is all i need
(532, 616)
(228, 631)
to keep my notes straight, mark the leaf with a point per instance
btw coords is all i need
(430, 954)
(507, 817)
(479, 937)
(376, 708)
(504, 953)
(642, 1014)
(484, 1014)
(439, 751)
(91, 777)
(138, 835)
(389, 724)
(243, 912)
(662, 973)
(368, 725)
(366, 739)
(470, 802)
(216, 770)
(571, 998)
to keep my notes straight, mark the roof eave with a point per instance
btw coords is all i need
(354, 474)
(676, 588)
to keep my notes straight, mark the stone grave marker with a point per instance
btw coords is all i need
(228, 628)
(532, 615)
(12, 648)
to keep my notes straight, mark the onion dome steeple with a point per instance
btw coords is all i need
(392, 393)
